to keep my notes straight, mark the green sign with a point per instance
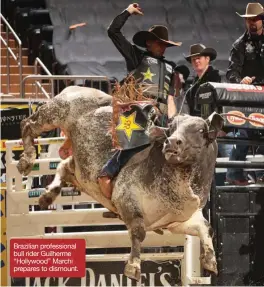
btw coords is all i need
(35, 192)
(54, 165)
(35, 166)
(70, 193)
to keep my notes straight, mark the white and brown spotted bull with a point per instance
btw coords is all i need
(164, 186)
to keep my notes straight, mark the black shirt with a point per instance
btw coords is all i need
(211, 75)
(246, 59)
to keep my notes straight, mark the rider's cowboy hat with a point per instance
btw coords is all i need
(201, 50)
(156, 32)
(252, 10)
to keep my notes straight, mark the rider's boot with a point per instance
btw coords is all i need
(113, 167)
(108, 172)
(106, 187)
(66, 149)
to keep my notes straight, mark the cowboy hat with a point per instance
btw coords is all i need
(201, 50)
(252, 10)
(156, 32)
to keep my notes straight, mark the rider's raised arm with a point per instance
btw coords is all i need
(130, 52)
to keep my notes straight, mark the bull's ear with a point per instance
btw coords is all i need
(158, 133)
(215, 124)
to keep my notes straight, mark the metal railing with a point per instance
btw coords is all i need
(37, 63)
(253, 164)
(67, 79)
(9, 51)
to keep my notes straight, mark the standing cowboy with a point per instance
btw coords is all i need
(246, 67)
(149, 67)
(200, 57)
(246, 62)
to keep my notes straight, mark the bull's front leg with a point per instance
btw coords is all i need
(66, 174)
(197, 225)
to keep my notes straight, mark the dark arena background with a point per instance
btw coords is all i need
(41, 55)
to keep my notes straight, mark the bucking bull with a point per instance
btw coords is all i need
(165, 186)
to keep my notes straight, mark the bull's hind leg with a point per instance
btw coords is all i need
(64, 174)
(133, 218)
(197, 225)
(45, 119)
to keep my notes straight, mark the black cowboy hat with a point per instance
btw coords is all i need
(156, 32)
(201, 50)
(253, 10)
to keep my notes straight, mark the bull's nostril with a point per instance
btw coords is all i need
(178, 142)
(167, 141)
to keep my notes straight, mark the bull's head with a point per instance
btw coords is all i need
(187, 137)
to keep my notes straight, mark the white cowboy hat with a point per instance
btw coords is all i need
(252, 10)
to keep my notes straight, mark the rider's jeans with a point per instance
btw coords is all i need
(118, 160)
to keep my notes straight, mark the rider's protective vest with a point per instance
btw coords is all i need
(135, 120)
(156, 77)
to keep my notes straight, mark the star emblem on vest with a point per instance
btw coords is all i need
(148, 75)
(128, 125)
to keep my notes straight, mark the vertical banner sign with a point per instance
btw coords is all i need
(3, 248)
(11, 116)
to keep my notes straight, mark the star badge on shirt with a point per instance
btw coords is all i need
(148, 75)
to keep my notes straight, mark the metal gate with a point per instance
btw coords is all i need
(58, 82)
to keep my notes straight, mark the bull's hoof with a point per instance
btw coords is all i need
(132, 271)
(24, 166)
(209, 263)
(45, 200)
